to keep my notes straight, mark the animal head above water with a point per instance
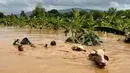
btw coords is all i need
(99, 57)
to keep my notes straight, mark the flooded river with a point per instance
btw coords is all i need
(60, 58)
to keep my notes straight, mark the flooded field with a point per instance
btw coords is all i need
(60, 58)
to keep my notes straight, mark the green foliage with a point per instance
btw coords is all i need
(38, 12)
(111, 11)
(23, 15)
(85, 37)
(71, 20)
(1, 15)
(77, 22)
(53, 13)
(96, 14)
(79, 34)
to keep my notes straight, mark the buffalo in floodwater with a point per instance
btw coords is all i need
(126, 38)
(16, 42)
(78, 48)
(53, 43)
(25, 41)
(99, 57)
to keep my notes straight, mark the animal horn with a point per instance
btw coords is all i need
(95, 50)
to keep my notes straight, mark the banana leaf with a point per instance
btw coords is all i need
(85, 37)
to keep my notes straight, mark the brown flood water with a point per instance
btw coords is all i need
(60, 58)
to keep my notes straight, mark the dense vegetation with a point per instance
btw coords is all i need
(55, 20)
(74, 21)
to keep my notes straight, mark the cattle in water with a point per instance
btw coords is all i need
(126, 38)
(99, 57)
(16, 42)
(78, 48)
(25, 41)
(53, 43)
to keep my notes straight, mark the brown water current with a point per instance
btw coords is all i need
(60, 58)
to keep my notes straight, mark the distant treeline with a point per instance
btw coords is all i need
(53, 19)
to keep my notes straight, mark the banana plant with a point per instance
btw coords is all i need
(81, 35)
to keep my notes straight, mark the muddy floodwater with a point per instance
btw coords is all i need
(60, 58)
